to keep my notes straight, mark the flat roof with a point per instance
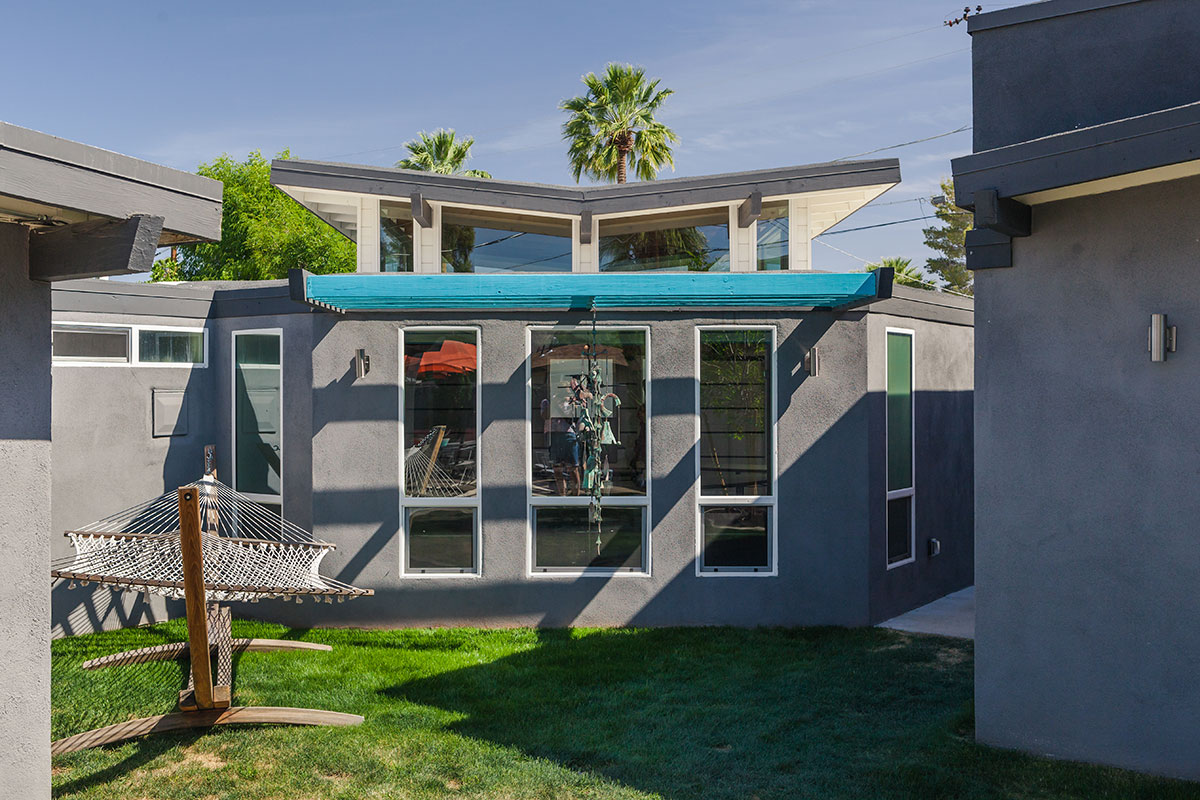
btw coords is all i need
(51, 179)
(1033, 12)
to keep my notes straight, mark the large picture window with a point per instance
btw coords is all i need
(440, 409)
(735, 451)
(257, 413)
(584, 444)
(484, 241)
(901, 535)
(693, 241)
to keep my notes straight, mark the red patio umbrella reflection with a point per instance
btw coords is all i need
(452, 358)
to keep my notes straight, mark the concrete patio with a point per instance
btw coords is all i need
(952, 615)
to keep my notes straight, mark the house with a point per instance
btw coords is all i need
(547, 405)
(67, 211)
(1085, 183)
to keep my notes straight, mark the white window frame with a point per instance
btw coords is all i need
(255, 496)
(133, 347)
(911, 491)
(533, 501)
(770, 501)
(472, 502)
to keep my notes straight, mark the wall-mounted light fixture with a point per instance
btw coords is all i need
(812, 362)
(362, 363)
(1162, 337)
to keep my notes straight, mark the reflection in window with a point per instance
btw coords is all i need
(736, 538)
(258, 387)
(440, 384)
(171, 347)
(440, 540)
(557, 360)
(395, 237)
(773, 236)
(564, 538)
(696, 241)
(735, 412)
(899, 447)
(89, 344)
(482, 241)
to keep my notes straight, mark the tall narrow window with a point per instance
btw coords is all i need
(395, 237)
(772, 237)
(900, 491)
(440, 458)
(585, 442)
(735, 451)
(257, 411)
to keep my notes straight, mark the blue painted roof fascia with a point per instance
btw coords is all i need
(408, 291)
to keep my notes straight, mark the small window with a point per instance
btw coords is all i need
(170, 347)
(440, 540)
(395, 237)
(694, 241)
(773, 236)
(736, 538)
(70, 343)
(564, 539)
(483, 241)
(900, 491)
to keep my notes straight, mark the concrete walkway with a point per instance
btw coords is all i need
(952, 615)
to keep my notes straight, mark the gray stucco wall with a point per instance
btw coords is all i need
(24, 523)
(1087, 471)
(1071, 71)
(943, 474)
(106, 460)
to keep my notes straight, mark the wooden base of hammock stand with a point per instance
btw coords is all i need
(205, 702)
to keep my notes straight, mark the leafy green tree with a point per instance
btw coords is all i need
(906, 273)
(612, 126)
(948, 238)
(264, 232)
(441, 152)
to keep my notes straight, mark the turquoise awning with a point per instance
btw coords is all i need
(582, 291)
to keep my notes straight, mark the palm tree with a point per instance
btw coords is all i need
(441, 152)
(612, 126)
(906, 273)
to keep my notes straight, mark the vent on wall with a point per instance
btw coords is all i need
(168, 412)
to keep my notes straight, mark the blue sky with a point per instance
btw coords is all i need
(758, 84)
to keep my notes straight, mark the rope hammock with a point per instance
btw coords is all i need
(423, 476)
(249, 553)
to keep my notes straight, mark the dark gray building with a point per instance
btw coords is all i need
(1085, 184)
(776, 445)
(66, 211)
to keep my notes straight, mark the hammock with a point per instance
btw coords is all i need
(249, 553)
(423, 476)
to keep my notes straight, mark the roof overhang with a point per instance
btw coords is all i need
(385, 292)
(332, 191)
(49, 182)
(1163, 145)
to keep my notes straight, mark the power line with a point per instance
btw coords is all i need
(869, 227)
(906, 144)
(930, 284)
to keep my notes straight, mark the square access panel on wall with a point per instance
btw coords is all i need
(169, 415)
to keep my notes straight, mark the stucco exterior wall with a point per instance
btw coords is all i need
(1086, 496)
(24, 522)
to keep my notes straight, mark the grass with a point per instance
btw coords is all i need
(666, 713)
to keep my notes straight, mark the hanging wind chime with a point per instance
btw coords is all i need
(594, 429)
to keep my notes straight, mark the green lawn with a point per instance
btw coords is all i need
(669, 713)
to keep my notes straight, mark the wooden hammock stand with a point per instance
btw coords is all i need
(206, 702)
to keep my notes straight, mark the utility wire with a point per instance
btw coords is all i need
(906, 144)
(930, 284)
(869, 227)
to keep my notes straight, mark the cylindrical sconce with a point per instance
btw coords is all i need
(1162, 337)
(362, 363)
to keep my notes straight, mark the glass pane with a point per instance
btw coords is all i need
(899, 529)
(440, 383)
(479, 241)
(693, 242)
(564, 539)
(735, 412)
(95, 344)
(773, 236)
(736, 537)
(441, 540)
(258, 388)
(576, 440)
(899, 411)
(171, 347)
(395, 238)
